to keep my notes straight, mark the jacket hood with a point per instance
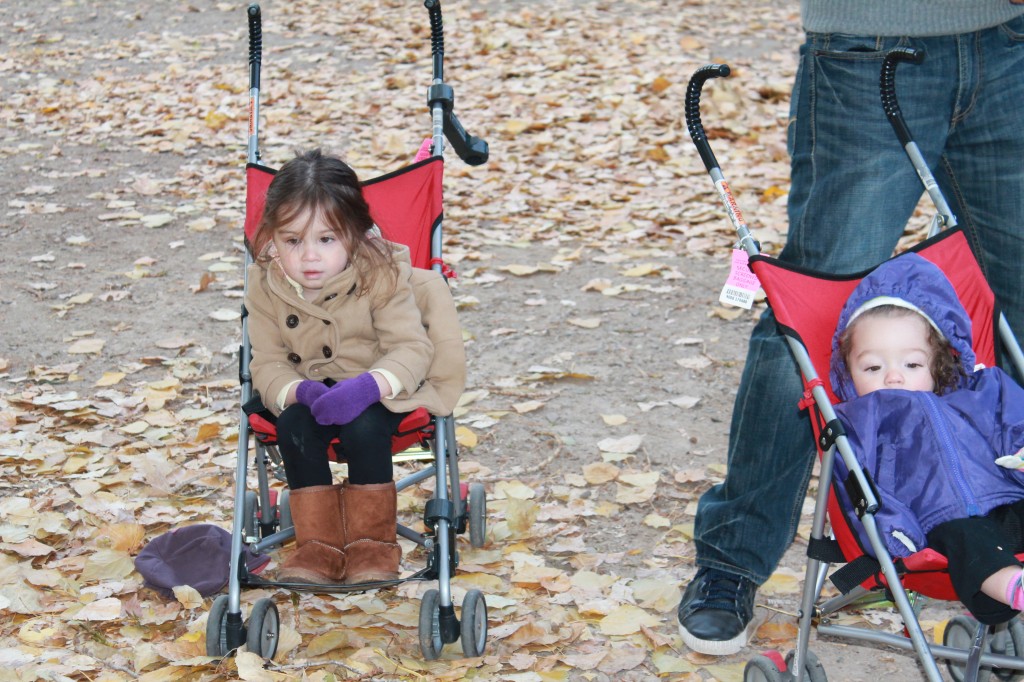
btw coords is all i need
(919, 282)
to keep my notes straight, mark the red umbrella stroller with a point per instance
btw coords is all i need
(807, 306)
(407, 207)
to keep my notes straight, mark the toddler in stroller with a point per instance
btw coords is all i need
(340, 351)
(940, 443)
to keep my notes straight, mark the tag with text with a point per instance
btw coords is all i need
(742, 285)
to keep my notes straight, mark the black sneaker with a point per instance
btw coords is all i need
(716, 611)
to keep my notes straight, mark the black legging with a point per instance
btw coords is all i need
(365, 445)
(976, 548)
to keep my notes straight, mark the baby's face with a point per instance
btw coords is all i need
(890, 352)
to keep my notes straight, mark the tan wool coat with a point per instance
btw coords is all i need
(411, 330)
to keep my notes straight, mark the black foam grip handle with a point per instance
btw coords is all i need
(692, 110)
(887, 85)
(255, 44)
(436, 37)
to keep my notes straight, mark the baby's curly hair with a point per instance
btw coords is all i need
(946, 368)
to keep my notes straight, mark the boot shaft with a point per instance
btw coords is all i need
(319, 514)
(371, 512)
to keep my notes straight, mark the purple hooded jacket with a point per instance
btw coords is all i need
(931, 457)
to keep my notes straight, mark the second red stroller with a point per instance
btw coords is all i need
(406, 206)
(807, 306)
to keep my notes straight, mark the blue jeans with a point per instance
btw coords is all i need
(853, 190)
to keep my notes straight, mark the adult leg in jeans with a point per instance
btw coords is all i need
(853, 191)
(981, 170)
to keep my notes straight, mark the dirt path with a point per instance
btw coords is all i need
(590, 253)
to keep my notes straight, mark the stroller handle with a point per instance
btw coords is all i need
(436, 36)
(692, 110)
(441, 96)
(255, 44)
(700, 141)
(255, 61)
(887, 85)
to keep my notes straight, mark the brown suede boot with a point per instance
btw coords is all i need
(372, 549)
(319, 516)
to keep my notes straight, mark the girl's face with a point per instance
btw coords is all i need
(890, 352)
(309, 251)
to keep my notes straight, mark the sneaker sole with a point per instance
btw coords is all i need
(711, 647)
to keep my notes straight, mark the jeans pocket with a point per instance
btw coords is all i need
(1014, 29)
(853, 48)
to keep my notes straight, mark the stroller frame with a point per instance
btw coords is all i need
(801, 663)
(262, 521)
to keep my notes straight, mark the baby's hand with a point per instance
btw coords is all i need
(1014, 461)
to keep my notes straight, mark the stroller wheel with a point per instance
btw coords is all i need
(477, 515)
(263, 629)
(474, 624)
(763, 669)
(430, 625)
(813, 669)
(1008, 641)
(216, 627)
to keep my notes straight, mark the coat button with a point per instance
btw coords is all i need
(327, 352)
(294, 358)
(292, 321)
(327, 321)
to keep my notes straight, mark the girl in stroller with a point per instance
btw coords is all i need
(941, 442)
(340, 353)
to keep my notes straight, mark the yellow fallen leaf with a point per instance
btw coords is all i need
(465, 437)
(520, 270)
(84, 346)
(614, 419)
(108, 564)
(109, 379)
(207, 431)
(513, 490)
(657, 521)
(122, 537)
(188, 596)
(520, 515)
(516, 126)
(102, 609)
(597, 473)
(528, 406)
(626, 620)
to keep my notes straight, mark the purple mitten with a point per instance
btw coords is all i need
(346, 400)
(308, 391)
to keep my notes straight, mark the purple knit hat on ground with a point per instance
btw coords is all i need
(198, 556)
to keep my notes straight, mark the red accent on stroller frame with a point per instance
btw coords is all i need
(807, 306)
(406, 206)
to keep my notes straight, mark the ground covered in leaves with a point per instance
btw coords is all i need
(590, 252)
